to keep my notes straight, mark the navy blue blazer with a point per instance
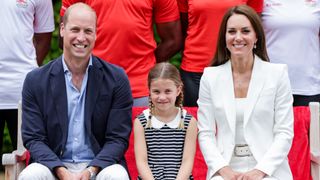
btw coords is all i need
(108, 108)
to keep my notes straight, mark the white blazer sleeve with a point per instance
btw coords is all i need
(207, 127)
(283, 126)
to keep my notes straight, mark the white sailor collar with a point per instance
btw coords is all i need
(157, 124)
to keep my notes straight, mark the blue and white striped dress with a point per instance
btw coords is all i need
(165, 144)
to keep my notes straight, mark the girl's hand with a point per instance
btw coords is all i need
(228, 174)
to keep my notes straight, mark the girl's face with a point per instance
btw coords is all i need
(163, 93)
(240, 36)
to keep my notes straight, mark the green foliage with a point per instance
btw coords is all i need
(176, 60)
(55, 51)
(6, 147)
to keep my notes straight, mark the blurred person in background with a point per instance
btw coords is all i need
(292, 30)
(25, 35)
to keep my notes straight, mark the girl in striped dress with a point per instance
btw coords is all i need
(165, 134)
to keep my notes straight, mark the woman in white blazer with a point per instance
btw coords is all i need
(245, 115)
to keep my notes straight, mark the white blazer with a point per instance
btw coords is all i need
(268, 118)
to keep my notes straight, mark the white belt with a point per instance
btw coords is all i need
(241, 150)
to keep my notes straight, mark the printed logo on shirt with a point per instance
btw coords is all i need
(22, 3)
(273, 4)
(311, 3)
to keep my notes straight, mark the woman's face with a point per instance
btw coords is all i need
(240, 36)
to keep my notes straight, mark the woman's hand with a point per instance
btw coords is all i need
(229, 174)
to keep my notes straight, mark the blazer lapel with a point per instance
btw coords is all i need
(228, 97)
(58, 89)
(255, 87)
(93, 87)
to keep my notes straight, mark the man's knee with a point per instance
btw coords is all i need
(36, 171)
(113, 172)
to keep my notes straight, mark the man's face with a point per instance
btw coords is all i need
(79, 34)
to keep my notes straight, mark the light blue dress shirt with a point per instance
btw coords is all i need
(78, 146)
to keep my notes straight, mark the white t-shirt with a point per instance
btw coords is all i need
(241, 104)
(292, 33)
(20, 19)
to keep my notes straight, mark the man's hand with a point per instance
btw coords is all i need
(64, 174)
(85, 174)
(254, 174)
(229, 174)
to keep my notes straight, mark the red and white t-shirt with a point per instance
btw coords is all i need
(125, 34)
(20, 20)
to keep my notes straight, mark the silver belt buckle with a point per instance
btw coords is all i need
(242, 150)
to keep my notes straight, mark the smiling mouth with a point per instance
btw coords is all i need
(161, 102)
(80, 46)
(239, 45)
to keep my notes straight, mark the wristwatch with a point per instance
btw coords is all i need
(93, 174)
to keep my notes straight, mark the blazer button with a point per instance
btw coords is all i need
(61, 152)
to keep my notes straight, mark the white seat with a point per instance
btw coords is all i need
(314, 139)
(15, 162)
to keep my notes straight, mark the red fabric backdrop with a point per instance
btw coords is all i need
(299, 156)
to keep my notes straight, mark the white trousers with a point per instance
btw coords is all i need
(36, 171)
(242, 164)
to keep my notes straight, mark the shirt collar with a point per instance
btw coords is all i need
(66, 69)
(157, 124)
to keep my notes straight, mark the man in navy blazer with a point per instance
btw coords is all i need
(76, 117)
